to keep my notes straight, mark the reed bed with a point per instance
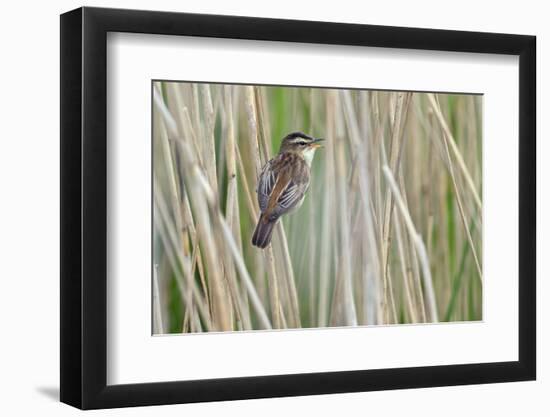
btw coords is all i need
(390, 231)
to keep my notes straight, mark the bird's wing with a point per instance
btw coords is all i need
(287, 194)
(292, 195)
(282, 185)
(266, 182)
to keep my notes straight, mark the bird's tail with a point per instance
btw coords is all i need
(263, 232)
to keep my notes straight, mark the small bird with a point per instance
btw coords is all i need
(283, 183)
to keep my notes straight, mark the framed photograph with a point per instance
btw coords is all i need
(256, 208)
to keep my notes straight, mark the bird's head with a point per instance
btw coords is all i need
(302, 144)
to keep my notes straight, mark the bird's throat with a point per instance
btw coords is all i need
(308, 155)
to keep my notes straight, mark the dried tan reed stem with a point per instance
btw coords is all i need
(158, 322)
(221, 311)
(288, 276)
(417, 240)
(398, 116)
(273, 281)
(347, 302)
(452, 144)
(447, 139)
(404, 273)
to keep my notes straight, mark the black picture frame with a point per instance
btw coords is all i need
(84, 207)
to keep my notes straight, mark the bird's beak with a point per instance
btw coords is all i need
(317, 143)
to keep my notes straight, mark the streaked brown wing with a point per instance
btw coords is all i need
(290, 186)
(292, 195)
(266, 182)
(282, 185)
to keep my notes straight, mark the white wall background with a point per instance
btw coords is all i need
(29, 226)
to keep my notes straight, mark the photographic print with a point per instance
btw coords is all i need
(278, 207)
(302, 220)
